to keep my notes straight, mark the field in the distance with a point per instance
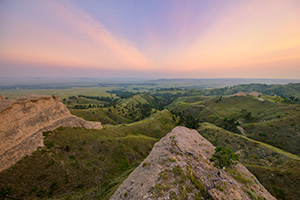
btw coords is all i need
(62, 93)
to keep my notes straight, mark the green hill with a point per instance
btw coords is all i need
(277, 170)
(78, 163)
(271, 122)
(286, 90)
(110, 110)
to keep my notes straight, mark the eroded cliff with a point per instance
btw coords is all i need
(178, 167)
(23, 120)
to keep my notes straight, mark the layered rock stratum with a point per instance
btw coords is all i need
(23, 120)
(178, 167)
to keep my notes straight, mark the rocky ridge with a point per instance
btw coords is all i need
(178, 167)
(23, 120)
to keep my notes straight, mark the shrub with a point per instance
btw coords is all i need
(144, 164)
(224, 157)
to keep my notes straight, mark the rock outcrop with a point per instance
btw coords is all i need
(240, 94)
(178, 167)
(255, 94)
(23, 120)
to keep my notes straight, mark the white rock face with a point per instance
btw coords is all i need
(187, 151)
(23, 120)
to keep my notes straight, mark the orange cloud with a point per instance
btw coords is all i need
(254, 33)
(82, 42)
(241, 38)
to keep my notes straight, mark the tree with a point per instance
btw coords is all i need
(230, 125)
(248, 116)
(191, 122)
(224, 157)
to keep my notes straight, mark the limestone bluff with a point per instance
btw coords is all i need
(23, 120)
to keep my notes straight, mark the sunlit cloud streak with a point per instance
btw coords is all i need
(255, 32)
(197, 39)
(76, 40)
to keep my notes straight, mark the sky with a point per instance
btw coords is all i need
(150, 39)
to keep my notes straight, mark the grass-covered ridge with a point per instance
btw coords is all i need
(275, 123)
(115, 110)
(80, 163)
(277, 170)
(285, 90)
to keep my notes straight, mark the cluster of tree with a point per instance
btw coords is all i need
(166, 98)
(237, 88)
(247, 115)
(125, 84)
(107, 99)
(158, 100)
(145, 110)
(83, 106)
(230, 125)
(186, 120)
(170, 89)
(136, 112)
(219, 99)
(123, 94)
(292, 99)
(280, 90)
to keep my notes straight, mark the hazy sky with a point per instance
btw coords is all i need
(150, 39)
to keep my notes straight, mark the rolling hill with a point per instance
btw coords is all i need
(81, 163)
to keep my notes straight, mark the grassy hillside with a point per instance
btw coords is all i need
(110, 110)
(272, 122)
(287, 90)
(104, 115)
(78, 163)
(282, 133)
(277, 170)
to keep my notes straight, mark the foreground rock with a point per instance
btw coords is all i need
(178, 167)
(23, 120)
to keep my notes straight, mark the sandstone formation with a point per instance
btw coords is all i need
(257, 94)
(178, 167)
(240, 94)
(23, 120)
(243, 94)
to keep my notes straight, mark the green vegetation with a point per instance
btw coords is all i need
(277, 170)
(110, 110)
(78, 163)
(286, 91)
(145, 164)
(224, 157)
(62, 93)
(187, 185)
(197, 183)
(274, 123)
(282, 132)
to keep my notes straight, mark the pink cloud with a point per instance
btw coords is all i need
(253, 33)
(76, 40)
